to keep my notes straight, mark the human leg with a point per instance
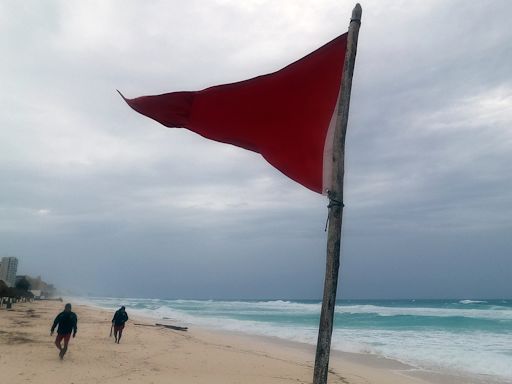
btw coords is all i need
(58, 340)
(65, 347)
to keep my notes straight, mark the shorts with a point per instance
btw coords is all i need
(60, 337)
(118, 328)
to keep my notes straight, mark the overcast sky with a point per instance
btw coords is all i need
(99, 199)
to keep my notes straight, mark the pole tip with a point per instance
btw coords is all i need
(356, 13)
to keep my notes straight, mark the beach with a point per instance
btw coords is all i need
(149, 354)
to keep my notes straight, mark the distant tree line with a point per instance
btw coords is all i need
(21, 289)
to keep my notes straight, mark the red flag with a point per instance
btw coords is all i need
(287, 116)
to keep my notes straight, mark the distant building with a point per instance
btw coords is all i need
(8, 269)
(37, 294)
(40, 288)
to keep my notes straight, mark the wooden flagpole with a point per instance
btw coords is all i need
(335, 207)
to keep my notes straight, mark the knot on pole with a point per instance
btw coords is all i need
(332, 203)
(335, 203)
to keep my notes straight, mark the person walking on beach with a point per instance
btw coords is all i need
(67, 324)
(120, 317)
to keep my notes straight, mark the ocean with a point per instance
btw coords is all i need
(461, 337)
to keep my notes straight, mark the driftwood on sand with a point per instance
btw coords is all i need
(174, 327)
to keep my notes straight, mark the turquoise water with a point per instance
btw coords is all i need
(466, 337)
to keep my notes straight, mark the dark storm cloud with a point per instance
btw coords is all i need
(96, 197)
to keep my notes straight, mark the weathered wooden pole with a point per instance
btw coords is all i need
(323, 346)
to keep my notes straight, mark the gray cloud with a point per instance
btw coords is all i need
(95, 197)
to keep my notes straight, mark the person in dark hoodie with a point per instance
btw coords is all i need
(120, 317)
(67, 324)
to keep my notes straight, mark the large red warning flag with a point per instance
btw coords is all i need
(287, 116)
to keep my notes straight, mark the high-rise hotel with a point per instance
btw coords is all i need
(8, 269)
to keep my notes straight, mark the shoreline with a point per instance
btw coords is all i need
(196, 356)
(441, 376)
(338, 358)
